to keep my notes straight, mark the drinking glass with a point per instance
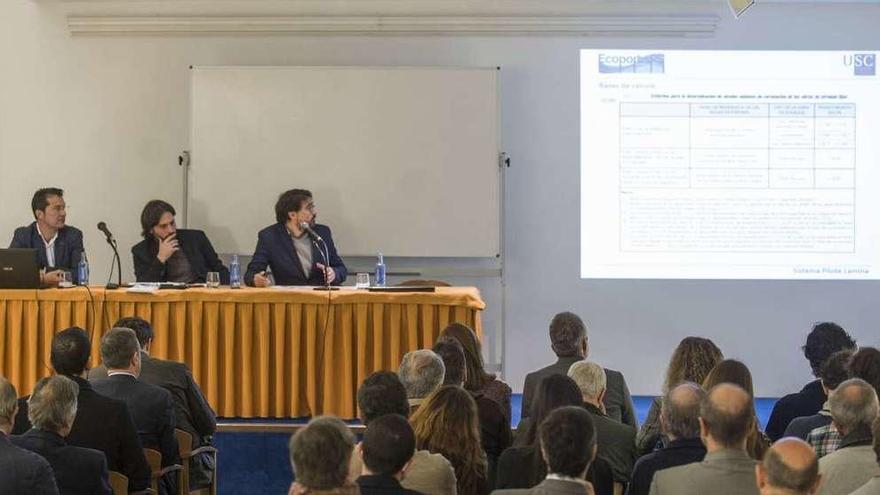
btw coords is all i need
(213, 280)
(363, 281)
(66, 279)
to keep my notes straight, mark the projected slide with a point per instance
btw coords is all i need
(730, 164)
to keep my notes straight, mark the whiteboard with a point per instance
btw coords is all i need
(402, 160)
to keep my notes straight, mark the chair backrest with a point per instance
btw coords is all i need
(154, 459)
(119, 483)
(184, 442)
(424, 283)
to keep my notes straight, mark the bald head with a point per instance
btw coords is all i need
(727, 416)
(680, 414)
(790, 464)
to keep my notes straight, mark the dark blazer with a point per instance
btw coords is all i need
(103, 424)
(495, 433)
(68, 246)
(801, 427)
(549, 487)
(618, 402)
(617, 443)
(78, 470)
(195, 246)
(275, 250)
(22, 471)
(152, 409)
(524, 467)
(677, 453)
(382, 485)
(804, 403)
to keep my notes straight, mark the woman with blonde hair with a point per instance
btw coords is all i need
(447, 424)
(691, 361)
(737, 373)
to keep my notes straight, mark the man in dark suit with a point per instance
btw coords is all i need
(169, 254)
(287, 249)
(679, 421)
(52, 409)
(386, 451)
(568, 338)
(568, 444)
(834, 371)
(191, 410)
(823, 340)
(59, 246)
(101, 423)
(21, 471)
(151, 406)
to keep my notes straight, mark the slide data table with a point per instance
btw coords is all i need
(275, 352)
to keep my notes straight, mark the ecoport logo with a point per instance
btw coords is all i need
(653, 63)
(863, 64)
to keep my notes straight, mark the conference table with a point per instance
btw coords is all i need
(271, 352)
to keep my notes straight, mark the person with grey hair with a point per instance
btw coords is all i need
(421, 372)
(21, 471)
(789, 467)
(151, 407)
(568, 339)
(854, 408)
(51, 410)
(617, 441)
(320, 454)
(680, 423)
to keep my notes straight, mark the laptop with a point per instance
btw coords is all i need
(19, 269)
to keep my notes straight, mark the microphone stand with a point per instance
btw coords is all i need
(326, 255)
(110, 285)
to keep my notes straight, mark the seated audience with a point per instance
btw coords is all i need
(872, 487)
(21, 471)
(386, 451)
(523, 466)
(478, 381)
(568, 339)
(192, 412)
(568, 445)
(692, 360)
(789, 467)
(495, 434)
(823, 340)
(832, 373)
(680, 424)
(51, 410)
(447, 424)
(381, 394)
(320, 454)
(726, 417)
(151, 407)
(854, 409)
(101, 423)
(421, 373)
(616, 440)
(735, 372)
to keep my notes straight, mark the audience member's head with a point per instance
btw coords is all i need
(8, 405)
(825, 339)
(452, 354)
(835, 370)
(865, 364)
(120, 350)
(320, 453)
(388, 445)
(141, 327)
(680, 413)
(568, 335)
(691, 361)
(381, 393)
(789, 466)
(568, 441)
(70, 352)
(554, 391)
(590, 379)
(421, 372)
(853, 406)
(726, 417)
(447, 424)
(730, 371)
(52, 405)
(473, 356)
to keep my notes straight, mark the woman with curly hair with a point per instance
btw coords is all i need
(691, 361)
(447, 424)
(477, 380)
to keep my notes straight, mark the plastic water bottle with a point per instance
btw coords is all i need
(82, 270)
(380, 272)
(235, 273)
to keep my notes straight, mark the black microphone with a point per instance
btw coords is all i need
(314, 235)
(110, 240)
(103, 228)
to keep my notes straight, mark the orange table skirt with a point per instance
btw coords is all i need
(254, 352)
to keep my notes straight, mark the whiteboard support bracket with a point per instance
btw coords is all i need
(183, 162)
